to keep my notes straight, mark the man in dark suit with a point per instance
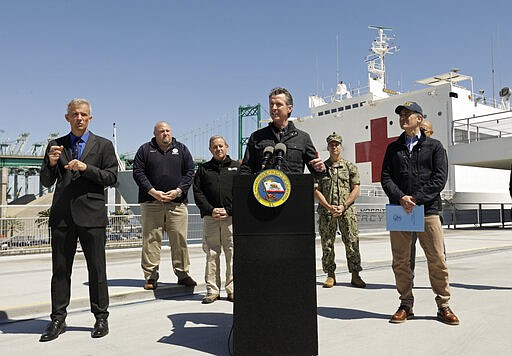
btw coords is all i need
(82, 164)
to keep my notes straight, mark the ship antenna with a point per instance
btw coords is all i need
(337, 58)
(382, 45)
(492, 71)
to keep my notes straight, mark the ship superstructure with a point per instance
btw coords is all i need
(462, 121)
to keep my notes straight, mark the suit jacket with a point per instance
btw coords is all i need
(79, 197)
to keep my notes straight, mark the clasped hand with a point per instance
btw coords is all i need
(219, 213)
(337, 210)
(165, 196)
(73, 165)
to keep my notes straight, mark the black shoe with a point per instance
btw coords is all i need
(53, 330)
(187, 282)
(100, 328)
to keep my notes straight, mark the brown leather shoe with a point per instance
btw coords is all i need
(402, 314)
(445, 315)
(187, 282)
(210, 298)
(150, 284)
(329, 282)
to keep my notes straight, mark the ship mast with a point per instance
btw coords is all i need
(381, 46)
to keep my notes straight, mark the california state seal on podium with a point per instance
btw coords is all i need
(271, 188)
(274, 265)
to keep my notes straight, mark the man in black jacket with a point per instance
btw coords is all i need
(414, 172)
(213, 184)
(82, 164)
(300, 151)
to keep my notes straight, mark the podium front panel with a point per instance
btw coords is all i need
(274, 272)
(295, 216)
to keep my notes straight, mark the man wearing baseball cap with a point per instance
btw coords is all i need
(414, 172)
(411, 106)
(336, 189)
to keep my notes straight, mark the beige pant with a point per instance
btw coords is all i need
(431, 240)
(218, 236)
(172, 218)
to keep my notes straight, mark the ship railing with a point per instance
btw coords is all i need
(355, 92)
(476, 214)
(483, 127)
(371, 191)
(481, 99)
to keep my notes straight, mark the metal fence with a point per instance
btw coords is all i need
(23, 235)
(477, 214)
(31, 234)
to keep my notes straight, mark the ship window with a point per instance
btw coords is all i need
(362, 103)
(340, 109)
(333, 110)
(326, 112)
(356, 105)
(347, 107)
(320, 113)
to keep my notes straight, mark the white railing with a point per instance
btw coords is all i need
(372, 191)
(483, 127)
(32, 234)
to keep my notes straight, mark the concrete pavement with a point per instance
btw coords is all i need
(350, 321)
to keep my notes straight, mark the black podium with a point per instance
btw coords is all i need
(274, 271)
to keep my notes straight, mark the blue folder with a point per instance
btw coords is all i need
(397, 218)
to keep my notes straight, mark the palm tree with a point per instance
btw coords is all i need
(42, 220)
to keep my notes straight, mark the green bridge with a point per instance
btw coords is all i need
(18, 161)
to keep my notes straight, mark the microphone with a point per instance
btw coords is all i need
(267, 153)
(280, 151)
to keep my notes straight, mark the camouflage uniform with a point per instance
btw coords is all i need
(335, 184)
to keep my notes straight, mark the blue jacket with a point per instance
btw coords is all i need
(165, 171)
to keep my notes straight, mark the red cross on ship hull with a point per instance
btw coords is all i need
(374, 150)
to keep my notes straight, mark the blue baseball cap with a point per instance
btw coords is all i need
(409, 105)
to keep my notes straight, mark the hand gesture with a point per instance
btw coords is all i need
(54, 155)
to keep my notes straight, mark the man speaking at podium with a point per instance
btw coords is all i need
(274, 239)
(299, 150)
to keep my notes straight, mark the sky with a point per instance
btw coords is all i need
(193, 63)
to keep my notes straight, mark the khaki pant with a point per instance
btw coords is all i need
(172, 218)
(431, 240)
(218, 236)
